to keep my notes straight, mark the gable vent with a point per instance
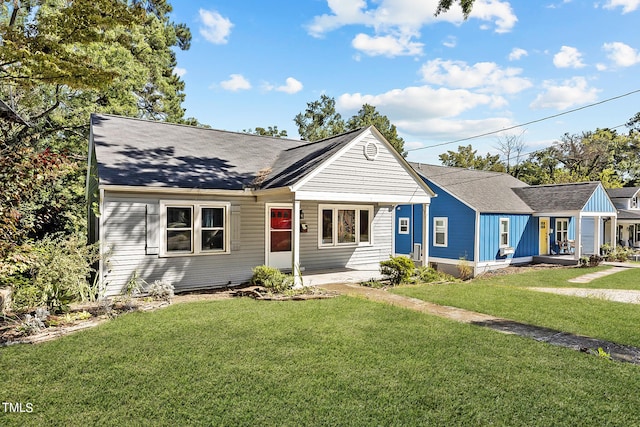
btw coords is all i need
(371, 150)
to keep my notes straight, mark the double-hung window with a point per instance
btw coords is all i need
(194, 228)
(562, 230)
(440, 232)
(504, 232)
(403, 226)
(344, 225)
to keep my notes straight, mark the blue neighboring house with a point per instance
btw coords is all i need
(493, 220)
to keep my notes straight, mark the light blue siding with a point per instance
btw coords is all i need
(523, 236)
(599, 202)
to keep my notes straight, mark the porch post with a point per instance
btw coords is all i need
(597, 241)
(425, 235)
(295, 244)
(614, 230)
(578, 251)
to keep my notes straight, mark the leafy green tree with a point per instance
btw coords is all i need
(468, 158)
(320, 120)
(368, 116)
(465, 5)
(270, 131)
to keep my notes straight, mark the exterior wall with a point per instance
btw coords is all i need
(523, 236)
(353, 173)
(599, 202)
(124, 236)
(404, 242)
(460, 226)
(312, 257)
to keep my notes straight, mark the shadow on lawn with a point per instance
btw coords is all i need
(621, 353)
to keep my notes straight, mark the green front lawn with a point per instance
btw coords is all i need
(506, 296)
(343, 361)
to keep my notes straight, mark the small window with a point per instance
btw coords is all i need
(344, 225)
(504, 232)
(440, 232)
(634, 202)
(365, 226)
(403, 225)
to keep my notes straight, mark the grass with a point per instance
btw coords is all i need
(506, 296)
(344, 361)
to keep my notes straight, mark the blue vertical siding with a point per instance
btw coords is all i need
(461, 221)
(599, 202)
(523, 236)
(403, 243)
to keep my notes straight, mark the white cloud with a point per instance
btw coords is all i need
(517, 53)
(292, 86)
(386, 45)
(627, 5)
(568, 57)
(216, 28)
(569, 93)
(397, 23)
(235, 83)
(486, 77)
(451, 41)
(179, 71)
(419, 102)
(621, 54)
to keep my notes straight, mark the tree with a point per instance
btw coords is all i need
(270, 131)
(511, 146)
(368, 116)
(445, 5)
(59, 61)
(466, 157)
(320, 120)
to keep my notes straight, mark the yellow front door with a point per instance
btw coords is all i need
(544, 236)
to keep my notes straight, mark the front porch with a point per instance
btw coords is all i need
(567, 259)
(358, 274)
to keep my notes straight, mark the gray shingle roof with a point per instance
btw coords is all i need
(622, 193)
(294, 163)
(628, 214)
(485, 191)
(156, 154)
(558, 197)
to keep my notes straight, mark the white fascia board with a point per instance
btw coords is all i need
(361, 197)
(192, 191)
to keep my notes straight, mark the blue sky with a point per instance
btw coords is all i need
(258, 64)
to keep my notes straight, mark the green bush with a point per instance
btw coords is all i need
(271, 278)
(620, 253)
(54, 273)
(398, 269)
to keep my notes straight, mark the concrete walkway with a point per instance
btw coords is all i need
(576, 342)
(586, 278)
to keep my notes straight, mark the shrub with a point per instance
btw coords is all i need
(54, 272)
(271, 278)
(465, 271)
(620, 253)
(160, 290)
(398, 269)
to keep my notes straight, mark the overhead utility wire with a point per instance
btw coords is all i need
(527, 123)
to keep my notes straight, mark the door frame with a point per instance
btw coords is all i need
(267, 238)
(547, 220)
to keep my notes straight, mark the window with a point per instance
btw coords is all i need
(194, 229)
(344, 225)
(403, 225)
(504, 232)
(635, 202)
(562, 230)
(440, 232)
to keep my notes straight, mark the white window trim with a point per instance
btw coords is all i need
(403, 222)
(502, 245)
(196, 228)
(566, 231)
(334, 228)
(446, 231)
